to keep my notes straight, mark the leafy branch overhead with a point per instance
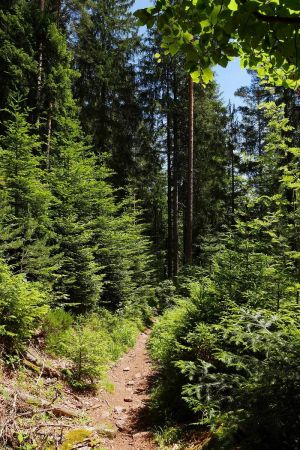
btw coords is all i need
(264, 34)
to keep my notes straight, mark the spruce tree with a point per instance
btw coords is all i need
(125, 253)
(17, 55)
(105, 45)
(72, 179)
(211, 164)
(27, 232)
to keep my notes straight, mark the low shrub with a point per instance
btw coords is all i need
(243, 377)
(165, 294)
(55, 325)
(22, 307)
(235, 367)
(91, 342)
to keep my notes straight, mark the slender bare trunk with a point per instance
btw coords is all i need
(49, 135)
(175, 184)
(190, 179)
(231, 147)
(232, 185)
(169, 163)
(57, 10)
(40, 71)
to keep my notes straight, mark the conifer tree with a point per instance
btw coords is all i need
(124, 251)
(72, 180)
(211, 163)
(17, 56)
(27, 232)
(106, 39)
(54, 77)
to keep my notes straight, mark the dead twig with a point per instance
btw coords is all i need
(41, 373)
(55, 425)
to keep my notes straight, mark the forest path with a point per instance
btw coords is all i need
(125, 409)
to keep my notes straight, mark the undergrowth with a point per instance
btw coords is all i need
(22, 308)
(228, 354)
(90, 342)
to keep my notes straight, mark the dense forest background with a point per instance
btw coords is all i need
(95, 227)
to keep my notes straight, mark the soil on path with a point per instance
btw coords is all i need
(126, 407)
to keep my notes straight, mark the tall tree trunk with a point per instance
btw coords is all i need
(49, 135)
(175, 183)
(232, 185)
(57, 11)
(40, 70)
(169, 163)
(232, 140)
(190, 179)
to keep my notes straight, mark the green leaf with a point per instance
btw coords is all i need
(215, 14)
(195, 76)
(142, 15)
(205, 23)
(233, 5)
(207, 75)
(173, 48)
(188, 36)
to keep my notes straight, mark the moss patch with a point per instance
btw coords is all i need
(75, 437)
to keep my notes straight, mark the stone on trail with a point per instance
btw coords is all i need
(121, 424)
(119, 409)
(130, 383)
(126, 369)
(106, 430)
(143, 434)
(128, 399)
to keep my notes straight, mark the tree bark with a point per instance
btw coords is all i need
(40, 70)
(232, 185)
(57, 10)
(232, 140)
(169, 163)
(190, 179)
(49, 136)
(175, 183)
(293, 20)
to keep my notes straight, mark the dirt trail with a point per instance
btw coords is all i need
(126, 408)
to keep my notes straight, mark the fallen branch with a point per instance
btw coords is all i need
(98, 405)
(35, 363)
(56, 425)
(57, 410)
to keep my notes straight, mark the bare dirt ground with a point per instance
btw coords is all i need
(125, 409)
(116, 420)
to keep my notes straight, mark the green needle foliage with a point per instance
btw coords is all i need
(22, 308)
(73, 178)
(228, 352)
(62, 223)
(26, 229)
(95, 129)
(78, 339)
(233, 364)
